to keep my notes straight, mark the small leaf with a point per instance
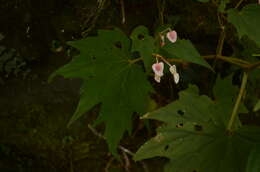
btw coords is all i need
(247, 21)
(183, 49)
(144, 44)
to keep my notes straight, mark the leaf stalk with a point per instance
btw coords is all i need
(238, 101)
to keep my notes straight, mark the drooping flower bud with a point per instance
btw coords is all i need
(175, 74)
(172, 36)
(158, 68)
(158, 71)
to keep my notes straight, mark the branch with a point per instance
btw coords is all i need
(127, 151)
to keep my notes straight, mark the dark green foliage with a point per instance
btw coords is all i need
(111, 79)
(195, 136)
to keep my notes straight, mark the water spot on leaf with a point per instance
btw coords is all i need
(166, 147)
(198, 127)
(140, 37)
(118, 44)
(180, 112)
(180, 125)
(135, 54)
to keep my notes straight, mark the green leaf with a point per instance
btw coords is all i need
(247, 21)
(222, 5)
(144, 44)
(108, 78)
(257, 106)
(253, 164)
(184, 50)
(194, 136)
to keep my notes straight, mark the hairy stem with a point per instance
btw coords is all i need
(235, 109)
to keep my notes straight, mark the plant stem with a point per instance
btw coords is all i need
(242, 63)
(235, 109)
(239, 3)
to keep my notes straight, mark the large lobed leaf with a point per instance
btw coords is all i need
(247, 21)
(194, 137)
(109, 79)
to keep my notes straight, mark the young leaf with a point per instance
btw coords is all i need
(109, 79)
(183, 49)
(144, 44)
(247, 21)
(195, 138)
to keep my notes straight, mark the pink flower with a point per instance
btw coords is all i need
(158, 71)
(172, 36)
(175, 74)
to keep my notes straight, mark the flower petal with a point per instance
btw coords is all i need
(173, 69)
(157, 78)
(158, 68)
(176, 77)
(172, 36)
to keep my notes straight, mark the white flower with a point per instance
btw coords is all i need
(175, 74)
(158, 71)
(172, 36)
(157, 78)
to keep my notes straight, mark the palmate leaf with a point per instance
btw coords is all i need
(110, 79)
(194, 136)
(246, 21)
(184, 50)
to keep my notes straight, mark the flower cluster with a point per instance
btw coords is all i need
(159, 66)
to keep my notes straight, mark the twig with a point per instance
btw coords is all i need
(238, 4)
(95, 132)
(109, 164)
(100, 7)
(122, 11)
(127, 162)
